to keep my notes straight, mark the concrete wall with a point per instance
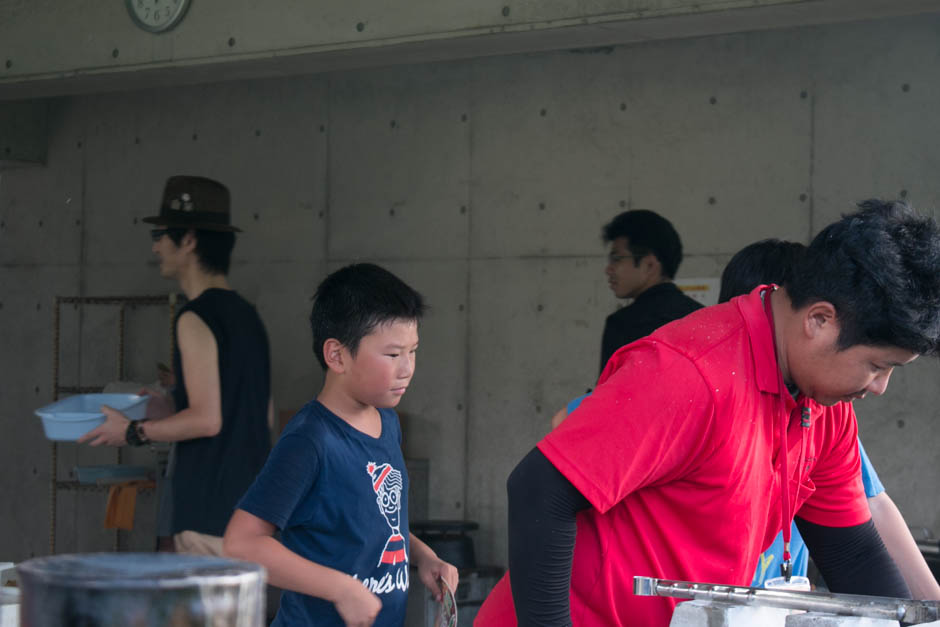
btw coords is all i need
(483, 183)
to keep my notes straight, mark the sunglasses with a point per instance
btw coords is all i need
(613, 259)
(157, 234)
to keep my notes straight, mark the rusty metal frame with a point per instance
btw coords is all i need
(122, 302)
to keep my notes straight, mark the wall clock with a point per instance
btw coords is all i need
(157, 16)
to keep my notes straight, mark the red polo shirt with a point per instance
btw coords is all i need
(677, 450)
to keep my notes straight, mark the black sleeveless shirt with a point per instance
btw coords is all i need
(212, 474)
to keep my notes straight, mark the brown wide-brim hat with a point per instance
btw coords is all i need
(194, 202)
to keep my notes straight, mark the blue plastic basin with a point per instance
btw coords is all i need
(111, 473)
(72, 417)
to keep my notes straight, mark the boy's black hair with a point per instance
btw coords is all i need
(880, 268)
(767, 261)
(351, 302)
(647, 232)
(213, 248)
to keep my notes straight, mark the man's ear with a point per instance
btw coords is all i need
(820, 320)
(335, 355)
(651, 265)
(188, 243)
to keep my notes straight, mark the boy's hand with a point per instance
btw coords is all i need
(357, 606)
(433, 568)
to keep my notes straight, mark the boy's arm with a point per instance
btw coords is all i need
(431, 568)
(901, 546)
(896, 536)
(559, 417)
(251, 538)
(203, 418)
(562, 413)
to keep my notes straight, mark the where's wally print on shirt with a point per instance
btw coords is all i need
(340, 499)
(387, 483)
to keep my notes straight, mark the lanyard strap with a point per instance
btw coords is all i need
(787, 519)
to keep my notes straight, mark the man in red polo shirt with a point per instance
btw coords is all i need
(702, 441)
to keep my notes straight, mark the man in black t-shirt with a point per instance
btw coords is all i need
(221, 412)
(645, 252)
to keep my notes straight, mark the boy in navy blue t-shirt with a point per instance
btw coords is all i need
(335, 484)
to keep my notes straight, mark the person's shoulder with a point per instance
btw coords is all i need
(387, 413)
(211, 301)
(235, 295)
(236, 308)
(390, 419)
(625, 315)
(833, 418)
(231, 298)
(193, 328)
(704, 330)
(689, 302)
(219, 297)
(672, 294)
(659, 300)
(311, 421)
(191, 306)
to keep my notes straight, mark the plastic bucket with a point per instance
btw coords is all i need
(141, 590)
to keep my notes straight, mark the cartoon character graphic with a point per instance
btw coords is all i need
(387, 484)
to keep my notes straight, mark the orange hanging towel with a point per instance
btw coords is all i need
(122, 500)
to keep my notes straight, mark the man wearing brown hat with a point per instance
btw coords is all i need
(222, 412)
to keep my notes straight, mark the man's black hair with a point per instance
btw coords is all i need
(647, 232)
(767, 261)
(213, 248)
(880, 269)
(351, 302)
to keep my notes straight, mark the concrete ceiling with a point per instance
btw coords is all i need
(578, 34)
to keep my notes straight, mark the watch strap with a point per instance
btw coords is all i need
(135, 435)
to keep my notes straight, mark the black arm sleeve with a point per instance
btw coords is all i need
(542, 509)
(853, 560)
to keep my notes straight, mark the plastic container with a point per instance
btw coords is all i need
(72, 417)
(141, 590)
(9, 583)
(95, 475)
(797, 582)
(8, 574)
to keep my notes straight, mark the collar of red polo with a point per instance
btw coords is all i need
(761, 335)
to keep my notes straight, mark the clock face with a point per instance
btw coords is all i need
(157, 15)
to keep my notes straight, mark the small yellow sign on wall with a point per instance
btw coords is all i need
(704, 291)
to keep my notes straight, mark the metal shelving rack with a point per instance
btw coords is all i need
(123, 302)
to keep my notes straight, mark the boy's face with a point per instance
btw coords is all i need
(382, 368)
(829, 376)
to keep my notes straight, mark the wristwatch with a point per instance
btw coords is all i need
(135, 435)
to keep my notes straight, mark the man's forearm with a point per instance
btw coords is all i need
(543, 506)
(188, 424)
(853, 559)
